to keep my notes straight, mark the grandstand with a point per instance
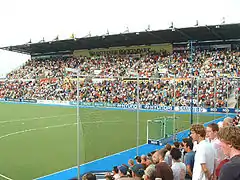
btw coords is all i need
(124, 82)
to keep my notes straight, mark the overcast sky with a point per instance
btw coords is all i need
(21, 20)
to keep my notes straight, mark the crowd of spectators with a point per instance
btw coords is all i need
(151, 92)
(205, 64)
(47, 79)
(209, 153)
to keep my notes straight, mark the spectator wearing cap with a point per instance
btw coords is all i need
(137, 172)
(123, 172)
(163, 170)
(189, 157)
(230, 144)
(204, 157)
(178, 168)
(150, 171)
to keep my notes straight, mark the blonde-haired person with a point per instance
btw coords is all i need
(131, 162)
(228, 121)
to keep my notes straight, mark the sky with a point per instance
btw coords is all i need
(22, 20)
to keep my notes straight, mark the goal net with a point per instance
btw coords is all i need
(161, 130)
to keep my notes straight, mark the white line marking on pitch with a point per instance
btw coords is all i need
(5, 177)
(35, 118)
(55, 126)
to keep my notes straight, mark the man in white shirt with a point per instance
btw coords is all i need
(205, 155)
(211, 133)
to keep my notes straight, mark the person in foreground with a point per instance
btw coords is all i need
(230, 144)
(205, 155)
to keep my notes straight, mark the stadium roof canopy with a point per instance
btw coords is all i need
(217, 33)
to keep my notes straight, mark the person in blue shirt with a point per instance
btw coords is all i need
(189, 156)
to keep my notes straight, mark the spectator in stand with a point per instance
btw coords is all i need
(168, 157)
(89, 176)
(143, 159)
(150, 171)
(205, 155)
(105, 91)
(228, 121)
(178, 168)
(163, 170)
(176, 145)
(211, 133)
(137, 172)
(130, 162)
(236, 120)
(230, 144)
(189, 157)
(123, 172)
(115, 173)
(139, 161)
(46, 79)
